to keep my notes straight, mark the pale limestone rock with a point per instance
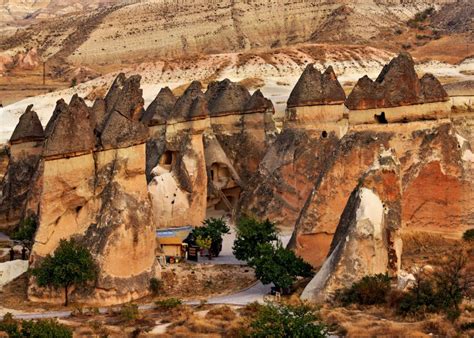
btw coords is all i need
(405, 280)
(11, 270)
(367, 240)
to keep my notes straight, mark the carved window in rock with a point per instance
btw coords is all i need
(380, 118)
(168, 159)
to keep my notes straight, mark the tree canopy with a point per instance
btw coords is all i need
(71, 264)
(250, 234)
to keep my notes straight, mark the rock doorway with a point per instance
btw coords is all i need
(381, 119)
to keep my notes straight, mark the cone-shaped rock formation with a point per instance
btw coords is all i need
(160, 108)
(397, 85)
(314, 88)
(29, 127)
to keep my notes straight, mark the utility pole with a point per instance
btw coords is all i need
(44, 73)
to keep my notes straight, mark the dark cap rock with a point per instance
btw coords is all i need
(397, 85)
(432, 90)
(258, 103)
(121, 126)
(314, 88)
(70, 129)
(158, 111)
(226, 97)
(182, 108)
(29, 128)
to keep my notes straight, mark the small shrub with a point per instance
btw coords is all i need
(369, 290)
(30, 328)
(467, 326)
(222, 313)
(169, 303)
(26, 230)
(155, 286)
(45, 328)
(441, 292)
(468, 235)
(287, 321)
(10, 325)
(129, 312)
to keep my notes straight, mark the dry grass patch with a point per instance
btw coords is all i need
(252, 83)
(222, 313)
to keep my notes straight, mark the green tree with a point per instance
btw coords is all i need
(287, 321)
(213, 228)
(250, 234)
(26, 230)
(279, 266)
(71, 264)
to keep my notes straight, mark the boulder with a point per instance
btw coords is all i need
(11, 270)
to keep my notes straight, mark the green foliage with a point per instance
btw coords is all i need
(279, 266)
(468, 235)
(38, 329)
(213, 228)
(10, 326)
(369, 290)
(74, 82)
(26, 230)
(443, 291)
(45, 328)
(71, 264)
(467, 326)
(204, 242)
(250, 234)
(420, 17)
(169, 303)
(155, 285)
(287, 321)
(129, 312)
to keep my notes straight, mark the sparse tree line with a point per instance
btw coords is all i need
(257, 243)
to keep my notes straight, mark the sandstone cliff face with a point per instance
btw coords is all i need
(367, 240)
(432, 166)
(308, 174)
(176, 160)
(292, 163)
(26, 146)
(98, 196)
(242, 124)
